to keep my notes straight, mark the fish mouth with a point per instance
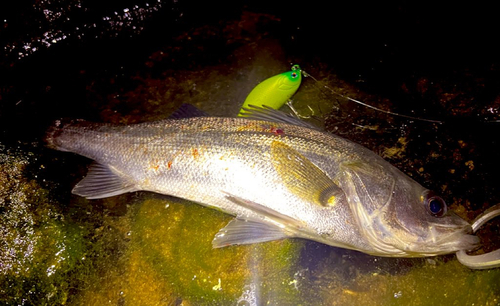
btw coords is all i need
(443, 239)
(434, 239)
(454, 236)
(458, 241)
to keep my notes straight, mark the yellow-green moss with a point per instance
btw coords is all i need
(174, 237)
(441, 284)
(275, 266)
(38, 249)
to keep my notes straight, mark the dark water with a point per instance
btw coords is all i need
(134, 61)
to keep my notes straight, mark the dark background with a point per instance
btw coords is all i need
(412, 53)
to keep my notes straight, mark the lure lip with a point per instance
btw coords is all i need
(484, 261)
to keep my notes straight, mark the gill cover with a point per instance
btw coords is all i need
(371, 204)
(398, 217)
(275, 91)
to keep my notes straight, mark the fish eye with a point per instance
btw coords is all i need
(436, 205)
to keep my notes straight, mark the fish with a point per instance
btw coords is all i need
(280, 177)
(275, 91)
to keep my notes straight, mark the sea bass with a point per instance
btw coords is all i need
(279, 176)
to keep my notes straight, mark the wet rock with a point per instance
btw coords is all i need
(171, 247)
(39, 251)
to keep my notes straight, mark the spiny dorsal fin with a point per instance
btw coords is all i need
(187, 111)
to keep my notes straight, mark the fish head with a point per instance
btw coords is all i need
(400, 218)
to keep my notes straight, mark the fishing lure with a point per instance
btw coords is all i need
(275, 91)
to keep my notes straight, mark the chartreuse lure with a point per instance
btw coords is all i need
(275, 91)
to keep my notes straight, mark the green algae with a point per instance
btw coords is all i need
(437, 284)
(169, 259)
(48, 251)
(277, 265)
(175, 237)
(38, 250)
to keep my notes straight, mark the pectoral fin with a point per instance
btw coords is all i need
(102, 182)
(302, 177)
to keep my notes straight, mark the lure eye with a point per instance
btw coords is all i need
(436, 206)
(294, 75)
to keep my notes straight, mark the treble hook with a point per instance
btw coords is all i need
(296, 113)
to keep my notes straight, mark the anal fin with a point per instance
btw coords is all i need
(102, 182)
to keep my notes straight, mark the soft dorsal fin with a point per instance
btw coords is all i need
(267, 113)
(187, 111)
(102, 182)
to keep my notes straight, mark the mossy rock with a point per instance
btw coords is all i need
(39, 251)
(174, 237)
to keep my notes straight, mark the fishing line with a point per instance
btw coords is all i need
(368, 105)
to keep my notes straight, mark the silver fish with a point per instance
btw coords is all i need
(279, 176)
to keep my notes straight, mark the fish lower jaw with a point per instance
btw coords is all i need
(437, 242)
(464, 243)
(424, 249)
(410, 253)
(456, 240)
(448, 245)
